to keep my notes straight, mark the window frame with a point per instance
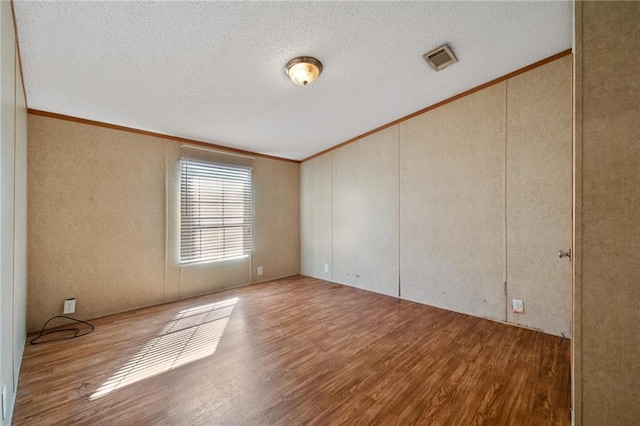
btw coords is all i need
(216, 211)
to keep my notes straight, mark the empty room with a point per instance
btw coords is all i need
(292, 213)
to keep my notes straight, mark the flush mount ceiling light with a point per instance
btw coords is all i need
(303, 70)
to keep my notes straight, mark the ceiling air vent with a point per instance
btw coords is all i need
(440, 58)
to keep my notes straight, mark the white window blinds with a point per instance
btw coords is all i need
(215, 211)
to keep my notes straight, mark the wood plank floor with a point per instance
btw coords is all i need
(296, 351)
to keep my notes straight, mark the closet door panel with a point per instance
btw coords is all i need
(539, 201)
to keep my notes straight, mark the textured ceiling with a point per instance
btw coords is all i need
(213, 71)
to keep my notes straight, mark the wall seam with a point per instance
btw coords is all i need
(506, 205)
(166, 219)
(14, 374)
(399, 211)
(576, 333)
(331, 268)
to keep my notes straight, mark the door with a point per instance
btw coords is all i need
(539, 197)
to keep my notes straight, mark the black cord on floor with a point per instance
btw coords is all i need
(76, 331)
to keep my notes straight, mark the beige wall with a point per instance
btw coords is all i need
(452, 204)
(607, 232)
(419, 210)
(104, 215)
(365, 213)
(276, 206)
(13, 220)
(315, 208)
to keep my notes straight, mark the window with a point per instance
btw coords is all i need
(215, 211)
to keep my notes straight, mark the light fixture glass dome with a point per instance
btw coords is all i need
(303, 70)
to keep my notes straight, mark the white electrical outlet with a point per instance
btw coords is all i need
(4, 402)
(326, 267)
(518, 306)
(260, 271)
(69, 306)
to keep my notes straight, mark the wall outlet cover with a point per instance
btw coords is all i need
(69, 306)
(260, 271)
(518, 306)
(326, 267)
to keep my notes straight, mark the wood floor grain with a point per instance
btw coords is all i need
(296, 351)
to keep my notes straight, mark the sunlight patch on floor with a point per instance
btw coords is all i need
(192, 335)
